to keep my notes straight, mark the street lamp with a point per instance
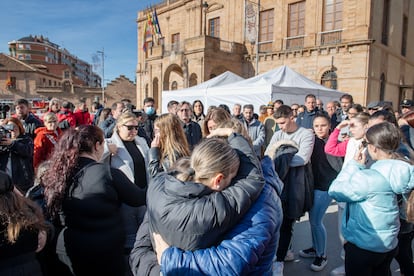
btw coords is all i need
(103, 75)
(205, 7)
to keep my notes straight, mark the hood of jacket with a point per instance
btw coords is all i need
(398, 173)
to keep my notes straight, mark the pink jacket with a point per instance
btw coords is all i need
(335, 147)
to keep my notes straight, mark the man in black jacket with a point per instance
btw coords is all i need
(29, 120)
(192, 129)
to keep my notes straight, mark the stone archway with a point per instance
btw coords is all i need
(173, 73)
(193, 80)
(156, 92)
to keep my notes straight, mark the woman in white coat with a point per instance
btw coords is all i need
(126, 151)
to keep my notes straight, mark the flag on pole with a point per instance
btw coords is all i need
(155, 22)
(144, 39)
(150, 25)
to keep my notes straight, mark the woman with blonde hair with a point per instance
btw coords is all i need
(169, 143)
(128, 152)
(195, 204)
(23, 231)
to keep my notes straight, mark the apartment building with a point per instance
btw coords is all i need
(39, 50)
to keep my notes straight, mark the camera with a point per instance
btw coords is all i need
(5, 131)
(4, 108)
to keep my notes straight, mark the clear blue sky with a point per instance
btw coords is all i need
(83, 27)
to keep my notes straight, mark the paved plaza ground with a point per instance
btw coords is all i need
(302, 240)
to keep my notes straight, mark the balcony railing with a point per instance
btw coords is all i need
(294, 42)
(196, 44)
(330, 37)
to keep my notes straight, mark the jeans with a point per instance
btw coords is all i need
(361, 262)
(316, 214)
(286, 231)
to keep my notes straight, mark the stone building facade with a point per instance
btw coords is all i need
(362, 47)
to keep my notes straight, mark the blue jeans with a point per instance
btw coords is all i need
(320, 204)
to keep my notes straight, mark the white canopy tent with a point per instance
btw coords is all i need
(198, 92)
(281, 83)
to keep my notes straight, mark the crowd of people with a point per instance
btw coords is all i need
(195, 191)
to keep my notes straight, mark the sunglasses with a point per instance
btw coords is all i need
(131, 127)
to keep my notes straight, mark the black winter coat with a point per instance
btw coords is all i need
(21, 153)
(94, 237)
(190, 215)
(297, 194)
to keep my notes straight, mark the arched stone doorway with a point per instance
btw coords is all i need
(193, 80)
(156, 92)
(173, 73)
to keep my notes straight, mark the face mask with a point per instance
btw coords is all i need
(149, 110)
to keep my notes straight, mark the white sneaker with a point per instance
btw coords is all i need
(339, 271)
(290, 256)
(278, 268)
(319, 264)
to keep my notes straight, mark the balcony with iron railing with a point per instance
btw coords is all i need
(329, 37)
(195, 44)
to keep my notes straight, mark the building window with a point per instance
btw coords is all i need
(385, 22)
(27, 46)
(214, 27)
(21, 46)
(20, 57)
(175, 42)
(404, 36)
(329, 79)
(332, 22)
(27, 57)
(174, 85)
(296, 25)
(266, 30)
(11, 83)
(332, 15)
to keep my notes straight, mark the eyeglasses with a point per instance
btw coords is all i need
(131, 127)
(294, 109)
(184, 110)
